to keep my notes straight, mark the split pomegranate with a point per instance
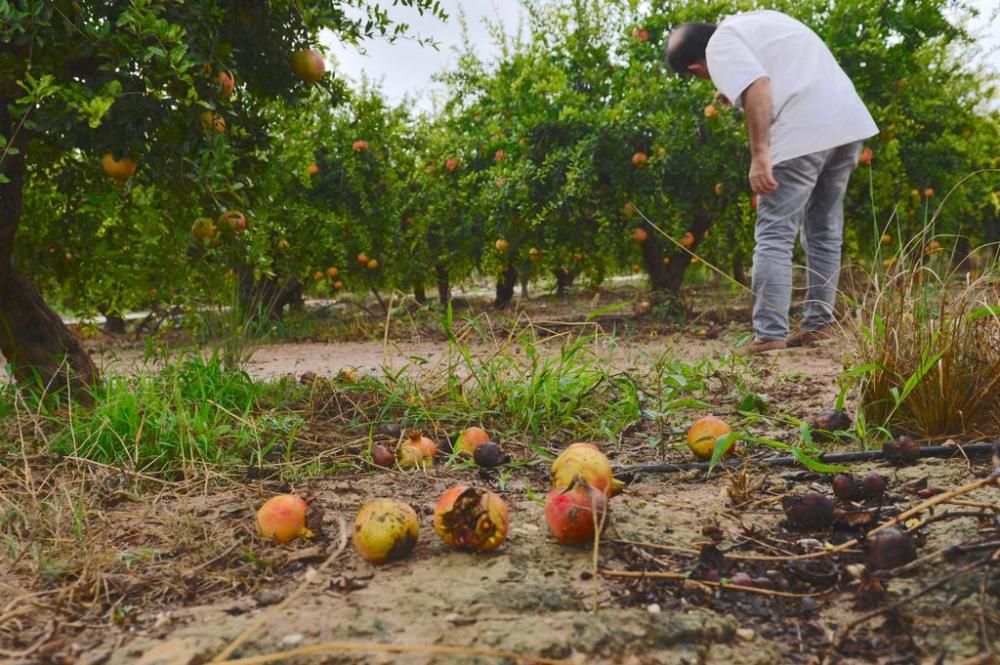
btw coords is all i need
(704, 433)
(469, 518)
(584, 462)
(470, 439)
(574, 514)
(385, 530)
(283, 518)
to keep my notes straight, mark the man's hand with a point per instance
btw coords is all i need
(761, 175)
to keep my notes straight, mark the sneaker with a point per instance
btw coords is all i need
(759, 346)
(810, 337)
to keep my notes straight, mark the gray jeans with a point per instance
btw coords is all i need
(810, 197)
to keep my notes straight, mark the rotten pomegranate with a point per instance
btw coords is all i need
(488, 455)
(469, 518)
(385, 530)
(808, 511)
(889, 548)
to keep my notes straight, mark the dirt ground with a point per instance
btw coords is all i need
(534, 597)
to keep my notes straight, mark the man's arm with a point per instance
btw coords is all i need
(757, 104)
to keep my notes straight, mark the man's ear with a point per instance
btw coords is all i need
(699, 69)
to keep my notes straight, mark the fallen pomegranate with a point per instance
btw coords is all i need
(470, 439)
(902, 451)
(845, 487)
(575, 514)
(469, 518)
(872, 487)
(703, 435)
(417, 450)
(808, 511)
(488, 455)
(283, 518)
(890, 548)
(584, 462)
(385, 530)
(382, 456)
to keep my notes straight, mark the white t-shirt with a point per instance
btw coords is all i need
(815, 105)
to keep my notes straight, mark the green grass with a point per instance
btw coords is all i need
(192, 412)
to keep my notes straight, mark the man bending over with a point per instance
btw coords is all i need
(806, 125)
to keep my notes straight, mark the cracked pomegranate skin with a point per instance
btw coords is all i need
(473, 519)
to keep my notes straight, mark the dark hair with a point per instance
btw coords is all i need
(687, 44)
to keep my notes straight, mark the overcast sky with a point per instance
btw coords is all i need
(405, 68)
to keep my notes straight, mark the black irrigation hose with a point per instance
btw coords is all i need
(971, 450)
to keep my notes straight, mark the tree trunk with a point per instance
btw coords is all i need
(740, 269)
(505, 287)
(265, 299)
(444, 286)
(419, 294)
(670, 277)
(564, 280)
(33, 339)
(114, 322)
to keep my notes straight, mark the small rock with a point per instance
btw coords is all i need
(653, 608)
(292, 639)
(746, 634)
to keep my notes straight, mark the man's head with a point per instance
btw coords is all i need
(686, 48)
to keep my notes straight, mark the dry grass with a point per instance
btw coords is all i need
(927, 347)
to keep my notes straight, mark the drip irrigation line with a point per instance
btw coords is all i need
(970, 450)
